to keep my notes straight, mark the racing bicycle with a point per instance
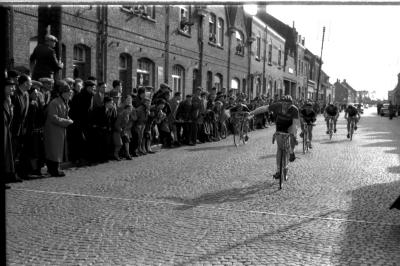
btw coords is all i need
(283, 142)
(240, 121)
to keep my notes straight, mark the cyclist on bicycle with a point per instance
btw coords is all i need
(308, 116)
(287, 116)
(331, 110)
(351, 112)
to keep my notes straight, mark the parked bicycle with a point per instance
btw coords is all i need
(240, 121)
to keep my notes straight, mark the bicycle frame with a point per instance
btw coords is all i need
(330, 123)
(284, 156)
(306, 139)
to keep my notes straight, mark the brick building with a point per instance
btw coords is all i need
(186, 46)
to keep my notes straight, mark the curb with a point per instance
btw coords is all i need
(67, 165)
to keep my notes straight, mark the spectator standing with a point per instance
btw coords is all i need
(43, 61)
(174, 103)
(47, 87)
(142, 112)
(103, 120)
(76, 89)
(57, 120)
(117, 91)
(122, 132)
(81, 106)
(196, 114)
(183, 114)
(33, 151)
(11, 176)
(20, 101)
(98, 98)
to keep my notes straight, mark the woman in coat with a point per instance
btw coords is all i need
(57, 121)
(9, 167)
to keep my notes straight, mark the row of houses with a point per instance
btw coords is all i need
(394, 95)
(183, 45)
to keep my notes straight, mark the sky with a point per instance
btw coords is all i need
(361, 45)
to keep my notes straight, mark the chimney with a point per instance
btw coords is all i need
(303, 41)
(299, 39)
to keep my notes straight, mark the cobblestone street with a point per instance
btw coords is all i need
(215, 204)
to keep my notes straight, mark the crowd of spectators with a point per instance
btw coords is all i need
(49, 122)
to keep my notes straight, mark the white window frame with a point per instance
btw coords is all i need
(185, 9)
(220, 32)
(212, 26)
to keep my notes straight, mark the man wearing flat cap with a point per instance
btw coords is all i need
(43, 61)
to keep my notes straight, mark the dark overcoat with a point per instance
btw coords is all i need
(55, 132)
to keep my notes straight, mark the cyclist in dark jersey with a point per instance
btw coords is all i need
(331, 110)
(308, 116)
(287, 116)
(351, 112)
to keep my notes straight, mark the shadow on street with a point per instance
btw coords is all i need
(218, 197)
(210, 148)
(369, 242)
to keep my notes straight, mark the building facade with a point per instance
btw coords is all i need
(185, 46)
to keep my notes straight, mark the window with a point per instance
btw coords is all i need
(212, 28)
(244, 86)
(32, 44)
(184, 19)
(218, 82)
(258, 49)
(209, 81)
(220, 32)
(270, 53)
(125, 73)
(239, 43)
(145, 11)
(279, 57)
(145, 72)
(81, 62)
(178, 77)
(79, 54)
(235, 84)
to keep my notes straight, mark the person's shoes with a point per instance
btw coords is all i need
(116, 157)
(192, 144)
(276, 176)
(246, 138)
(309, 145)
(355, 127)
(6, 186)
(327, 132)
(348, 136)
(128, 157)
(301, 135)
(134, 154)
(151, 152)
(57, 174)
(292, 157)
(334, 130)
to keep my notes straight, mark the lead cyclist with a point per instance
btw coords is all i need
(331, 110)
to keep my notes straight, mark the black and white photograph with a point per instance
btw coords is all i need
(200, 132)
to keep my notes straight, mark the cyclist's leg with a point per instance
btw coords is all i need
(327, 124)
(348, 127)
(334, 123)
(279, 145)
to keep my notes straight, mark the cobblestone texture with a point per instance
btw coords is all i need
(215, 204)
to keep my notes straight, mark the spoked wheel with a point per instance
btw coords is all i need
(236, 136)
(243, 132)
(304, 142)
(223, 130)
(281, 170)
(330, 130)
(351, 131)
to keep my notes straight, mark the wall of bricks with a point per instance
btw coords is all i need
(138, 37)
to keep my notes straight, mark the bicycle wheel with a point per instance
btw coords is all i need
(223, 130)
(281, 171)
(243, 131)
(330, 129)
(351, 130)
(304, 141)
(235, 135)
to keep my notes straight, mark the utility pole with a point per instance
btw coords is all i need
(320, 65)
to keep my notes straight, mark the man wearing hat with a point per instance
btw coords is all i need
(9, 167)
(43, 61)
(46, 89)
